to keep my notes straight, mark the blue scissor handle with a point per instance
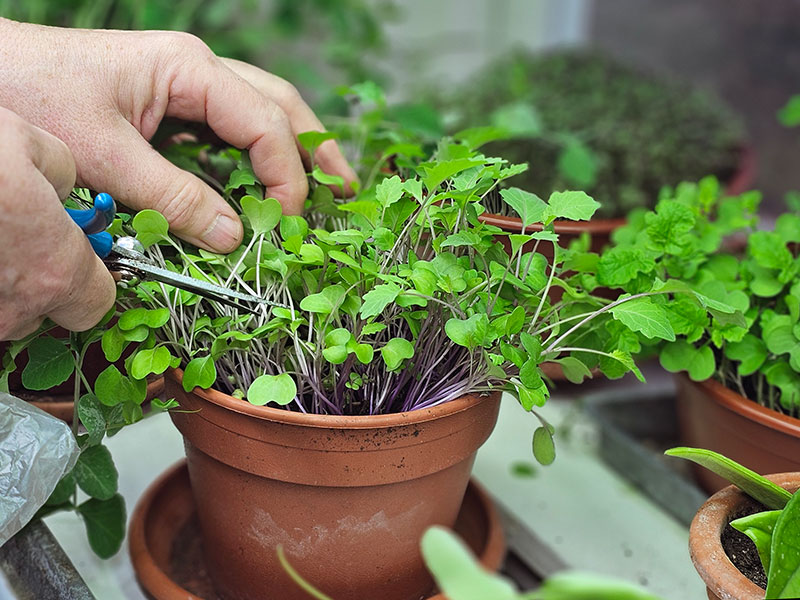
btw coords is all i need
(94, 222)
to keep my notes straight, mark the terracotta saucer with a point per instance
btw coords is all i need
(165, 546)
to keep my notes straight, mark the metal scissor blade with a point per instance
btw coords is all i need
(150, 272)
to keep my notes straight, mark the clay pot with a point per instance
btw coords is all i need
(723, 580)
(715, 417)
(348, 498)
(166, 553)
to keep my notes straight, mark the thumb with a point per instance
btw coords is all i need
(142, 178)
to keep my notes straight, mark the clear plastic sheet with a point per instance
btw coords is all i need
(36, 450)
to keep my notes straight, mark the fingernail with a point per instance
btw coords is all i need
(224, 234)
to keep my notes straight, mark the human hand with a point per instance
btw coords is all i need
(48, 266)
(105, 92)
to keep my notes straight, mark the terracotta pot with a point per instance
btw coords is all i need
(714, 417)
(723, 580)
(165, 546)
(348, 498)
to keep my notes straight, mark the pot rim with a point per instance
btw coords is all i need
(400, 419)
(745, 407)
(593, 227)
(705, 547)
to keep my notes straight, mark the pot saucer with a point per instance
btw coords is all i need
(166, 550)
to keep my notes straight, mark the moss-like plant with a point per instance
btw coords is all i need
(582, 119)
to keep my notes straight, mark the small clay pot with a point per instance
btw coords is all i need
(348, 498)
(714, 417)
(723, 580)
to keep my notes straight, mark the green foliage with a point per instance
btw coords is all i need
(738, 321)
(783, 574)
(583, 120)
(50, 363)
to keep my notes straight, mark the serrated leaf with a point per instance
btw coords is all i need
(529, 207)
(389, 191)
(378, 298)
(619, 265)
(572, 205)
(642, 315)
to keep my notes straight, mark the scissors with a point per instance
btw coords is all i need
(126, 256)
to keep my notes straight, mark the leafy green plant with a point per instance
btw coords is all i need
(774, 532)
(691, 236)
(395, 300)
(582, 119)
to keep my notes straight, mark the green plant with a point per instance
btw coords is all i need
(757, 353)
(774, 532)
(396, 300)
(582, 119)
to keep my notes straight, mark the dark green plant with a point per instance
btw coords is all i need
(583, 120)
(691, 235)
(774, 532)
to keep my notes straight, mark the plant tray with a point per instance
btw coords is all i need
(166, 549)
(636, 426)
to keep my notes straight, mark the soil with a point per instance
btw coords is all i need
(741, 550)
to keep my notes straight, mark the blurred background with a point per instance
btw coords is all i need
(617, 97)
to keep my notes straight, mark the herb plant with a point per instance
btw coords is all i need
(396, 300)
(774, 532)
(584, 120)
(756, 352)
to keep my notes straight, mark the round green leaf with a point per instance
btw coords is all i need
(150, 361)
(544, 448)
(200, 372)
(396, 351)
(151, 227)
(263, 215)
(280, 389)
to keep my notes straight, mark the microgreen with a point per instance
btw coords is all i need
(397, 299)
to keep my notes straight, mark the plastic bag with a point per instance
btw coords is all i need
(36, 451)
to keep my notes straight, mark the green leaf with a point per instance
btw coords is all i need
(95, 472)
(642, 315)
(389, 191)
(311, 140)
(105, 524)
(683, 356)
(456, 571)
(476, 137)
(113, 388)
(470, 332)
(151, 317)
(395, 352)
(750, 352)
(759, 527)
(378, 298)
(324, 302)
(150, 361)
(436, 173)
(789, 114)
(50, 363)
(573, 205)
(263, 215)
(544, 448)
(200, 372)
(574, 370)
(783, 577)
(757, 487)
(63, 491)
(151, 227)
(530, 208)
(669, 228)
(769, 250)
(788, 228)
(530, 375)
(243, 176)
(326, 179)
(90, 413)
(575, 585)
(279, 389)
(619, 265)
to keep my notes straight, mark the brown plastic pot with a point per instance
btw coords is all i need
(348, 498)
(723, 580)
(714, 417)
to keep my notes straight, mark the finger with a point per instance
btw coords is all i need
(90, 291)
(19, 329)
(53, 159)
(142, 178)
(328, 156)
(242, 116)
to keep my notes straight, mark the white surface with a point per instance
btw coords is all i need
(590, 516)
